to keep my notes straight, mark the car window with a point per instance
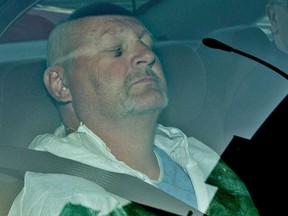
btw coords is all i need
(234, 104)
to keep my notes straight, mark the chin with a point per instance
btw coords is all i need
(145, 106)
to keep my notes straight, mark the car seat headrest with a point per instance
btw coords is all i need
(26, 109)
(186, 80)
(246, 38)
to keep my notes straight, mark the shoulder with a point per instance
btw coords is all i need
(49, 194)
(43, 139)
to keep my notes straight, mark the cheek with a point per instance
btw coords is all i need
(77, 73)
(96, 74)
(80, 79)
(112, 73)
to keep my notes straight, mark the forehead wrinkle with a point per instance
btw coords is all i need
(118, 25)
(98, 27)
(120, 33)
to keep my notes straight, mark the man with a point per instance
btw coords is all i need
(109, 88)
(277, 12)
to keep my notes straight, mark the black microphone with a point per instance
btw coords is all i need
(215, 44)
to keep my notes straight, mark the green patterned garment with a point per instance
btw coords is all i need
(231, 199)
(127, 210)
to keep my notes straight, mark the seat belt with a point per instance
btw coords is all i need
(123, 185)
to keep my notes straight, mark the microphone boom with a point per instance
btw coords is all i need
(215, 44)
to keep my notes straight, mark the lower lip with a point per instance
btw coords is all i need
(145, 80)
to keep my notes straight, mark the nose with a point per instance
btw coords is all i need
(142, 56)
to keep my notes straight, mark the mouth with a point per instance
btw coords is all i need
(144, 80)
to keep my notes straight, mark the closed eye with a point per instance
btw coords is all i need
(116, 52)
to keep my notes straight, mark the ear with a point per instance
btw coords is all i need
(272, 15)
(55, 82)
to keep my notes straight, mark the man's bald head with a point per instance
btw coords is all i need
(68, 34)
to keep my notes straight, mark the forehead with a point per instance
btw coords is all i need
(89, 35)
(101, 25)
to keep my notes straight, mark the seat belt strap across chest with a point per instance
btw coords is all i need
(123, 185)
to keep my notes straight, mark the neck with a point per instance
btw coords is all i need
(68, 117)
(131, 141)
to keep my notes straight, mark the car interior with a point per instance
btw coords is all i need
(233, 104)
